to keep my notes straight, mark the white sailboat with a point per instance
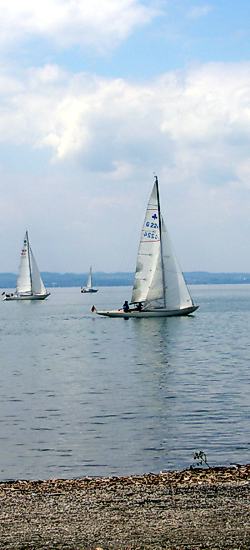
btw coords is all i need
(89, 287)
(159, 287)
(29, 282)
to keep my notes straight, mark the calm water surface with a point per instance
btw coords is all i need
(84, 395)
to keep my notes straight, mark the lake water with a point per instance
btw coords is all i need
(85, 395)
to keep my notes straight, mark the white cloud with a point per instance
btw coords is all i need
(203, 112)
(99, 23)
(192, 127)
(196, 12)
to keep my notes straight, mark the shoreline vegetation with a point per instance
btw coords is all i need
(63, 280)
(199, 508)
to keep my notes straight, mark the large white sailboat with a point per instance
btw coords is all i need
(29, 282)
(159, 287)
(89, 286)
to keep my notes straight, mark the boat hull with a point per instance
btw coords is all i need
(88, 290)
(119, 313)
(9, 298)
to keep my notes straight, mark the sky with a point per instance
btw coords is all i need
(97, 97)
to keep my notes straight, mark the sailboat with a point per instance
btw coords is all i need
(159, 287)
(29, 282)
(89, 288)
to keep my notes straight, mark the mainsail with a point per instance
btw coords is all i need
(24, 275)
(148, 283)
(159, 282)
(89, 281)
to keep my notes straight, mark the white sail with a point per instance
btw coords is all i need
(89, 281)
(177, 295)
(159, 282)
(89, 288)
(29, 283)
(37, 283)
(24, 278)
(148, 283)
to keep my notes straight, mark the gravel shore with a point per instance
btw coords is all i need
(187, 510)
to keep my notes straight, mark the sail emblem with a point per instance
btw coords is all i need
(154, 216)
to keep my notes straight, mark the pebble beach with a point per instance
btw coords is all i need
(178, 510)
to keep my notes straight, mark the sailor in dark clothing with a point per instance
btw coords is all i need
(125, 306)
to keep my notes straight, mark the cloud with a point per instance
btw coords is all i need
(109, 122)
(196, 12)
(104, 137)
(101, 24)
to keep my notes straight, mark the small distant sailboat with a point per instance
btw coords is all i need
(29, 282)
(159, 286)
(89, 287)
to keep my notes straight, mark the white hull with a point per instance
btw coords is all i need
(119, 313)
(89, 290)
(9, 298)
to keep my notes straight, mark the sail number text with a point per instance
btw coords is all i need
(151, 235)
(152, 225)
(148, 233)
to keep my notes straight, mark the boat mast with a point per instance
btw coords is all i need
(160, 231)
(28, 247)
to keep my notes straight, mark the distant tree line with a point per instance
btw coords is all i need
(8, 280)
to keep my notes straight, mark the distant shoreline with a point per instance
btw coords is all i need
(102, 279)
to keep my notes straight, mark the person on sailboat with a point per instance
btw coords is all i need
(139, 306)
(125, 306)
